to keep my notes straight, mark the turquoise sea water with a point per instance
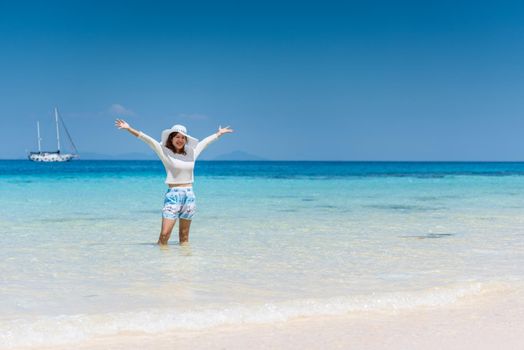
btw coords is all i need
(270, 241)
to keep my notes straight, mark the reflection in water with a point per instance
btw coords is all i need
(183, 249)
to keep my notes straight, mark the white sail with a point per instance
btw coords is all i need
(57, 131)
(39, 138)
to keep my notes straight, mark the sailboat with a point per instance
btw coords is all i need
(53, 156)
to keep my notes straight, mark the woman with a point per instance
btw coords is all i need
(178, 152)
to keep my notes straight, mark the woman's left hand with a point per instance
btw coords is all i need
(221, 131)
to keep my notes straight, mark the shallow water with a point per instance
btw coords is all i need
(271, 240)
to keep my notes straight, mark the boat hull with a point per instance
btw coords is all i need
(50, 157)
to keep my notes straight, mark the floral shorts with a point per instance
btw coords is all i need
(179, 203)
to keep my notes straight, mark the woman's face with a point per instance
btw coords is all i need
(179, 141)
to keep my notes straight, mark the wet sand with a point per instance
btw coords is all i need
(495, 322)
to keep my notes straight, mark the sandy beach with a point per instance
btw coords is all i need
(495, 322)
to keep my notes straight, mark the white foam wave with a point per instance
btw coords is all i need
(60, 330)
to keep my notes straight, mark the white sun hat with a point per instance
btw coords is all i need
(191, 141)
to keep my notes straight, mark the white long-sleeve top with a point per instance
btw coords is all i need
(179, 167)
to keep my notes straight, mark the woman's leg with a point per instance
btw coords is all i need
(183, 230)
(165, 231)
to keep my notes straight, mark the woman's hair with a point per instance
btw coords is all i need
(169, 144)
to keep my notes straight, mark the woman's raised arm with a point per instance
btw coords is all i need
(205, 142)
(154, 144)
(122, 124)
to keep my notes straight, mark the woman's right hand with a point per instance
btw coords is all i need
(122, 124)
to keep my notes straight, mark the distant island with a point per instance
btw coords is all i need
(122, 156)
(237, 155)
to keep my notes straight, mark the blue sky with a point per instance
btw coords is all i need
(353, 80)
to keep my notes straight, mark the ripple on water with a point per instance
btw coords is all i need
(79, 219)
(403, 207)
(20, 181)
(430, 235)
(426, 198)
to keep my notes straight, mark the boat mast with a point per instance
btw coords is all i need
(57, 132)
(68, 135)
(39, 139)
